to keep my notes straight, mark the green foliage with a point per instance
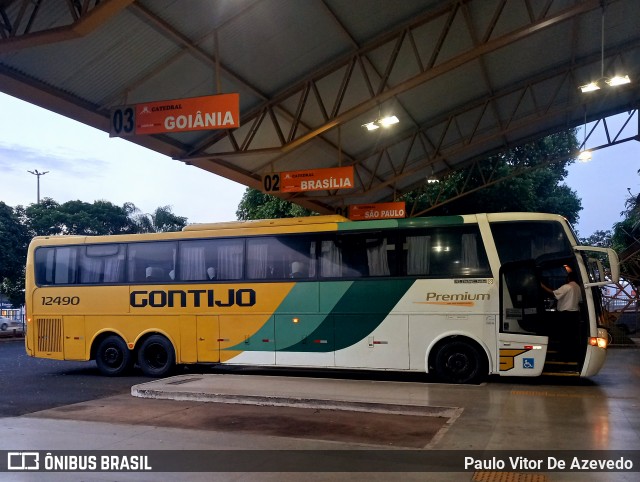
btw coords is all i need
(162, 220)
(533, 190)
(77, 217)
(601, 239)
(258, 205)
(627, 232)
(13, 251)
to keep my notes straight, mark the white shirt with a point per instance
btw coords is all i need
(568, 296)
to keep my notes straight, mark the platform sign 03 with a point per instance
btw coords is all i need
(181, 115)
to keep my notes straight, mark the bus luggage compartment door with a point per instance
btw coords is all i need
(521, 355)
(208, 343)
(74, 339)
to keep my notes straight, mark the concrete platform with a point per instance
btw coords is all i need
(245, 411)
(324, 393)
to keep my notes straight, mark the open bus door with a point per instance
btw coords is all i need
(522, 332)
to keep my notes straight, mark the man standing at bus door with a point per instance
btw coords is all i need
(569, 297)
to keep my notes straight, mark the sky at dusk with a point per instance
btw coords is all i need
(86, 164)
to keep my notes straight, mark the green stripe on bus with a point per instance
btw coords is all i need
(430, 222)
(301, 302)
(402, 223)
(360, 311)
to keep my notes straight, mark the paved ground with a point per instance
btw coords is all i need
(340, 413)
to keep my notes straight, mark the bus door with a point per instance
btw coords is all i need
(522, 337)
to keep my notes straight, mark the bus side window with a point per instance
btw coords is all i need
(445, 252)
(280, 257)
(66, 265)
(357, 255)
(44, 264)
(151, 262)
(102, 263)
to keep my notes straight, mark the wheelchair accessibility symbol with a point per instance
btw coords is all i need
(528, 363)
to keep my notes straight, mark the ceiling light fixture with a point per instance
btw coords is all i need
(618, 80)
(614, 81)
(584, 156)
(590, 87)
(381, 122)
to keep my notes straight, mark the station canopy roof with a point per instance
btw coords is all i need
(465, 78)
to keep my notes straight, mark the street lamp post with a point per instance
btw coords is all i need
(36, 173)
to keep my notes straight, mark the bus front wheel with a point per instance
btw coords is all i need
(460, 362)
(113, 356)
(156, 357)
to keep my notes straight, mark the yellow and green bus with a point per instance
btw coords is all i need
(457, 296)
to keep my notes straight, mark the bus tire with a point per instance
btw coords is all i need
(156, 357)
(460, 362)
(113, 357)
(4, 326)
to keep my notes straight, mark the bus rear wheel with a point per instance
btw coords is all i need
(460, 362)
(156, 357)
(113, 356)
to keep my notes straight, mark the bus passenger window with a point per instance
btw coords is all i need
(280, 257)
(44, 265)
(356, 255)
(102, 263)
(151, 262)
(66, 265)
(455, 251)
(229, 254)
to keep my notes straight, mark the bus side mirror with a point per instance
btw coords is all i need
(614, 264)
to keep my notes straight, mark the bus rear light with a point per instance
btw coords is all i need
(597, 341)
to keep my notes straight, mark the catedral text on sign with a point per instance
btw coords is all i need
(191, 114)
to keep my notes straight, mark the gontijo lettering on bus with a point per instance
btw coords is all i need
(190, 114)
(161, 298)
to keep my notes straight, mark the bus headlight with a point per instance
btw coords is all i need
(599, 342)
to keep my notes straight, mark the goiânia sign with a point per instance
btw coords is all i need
(180, 115)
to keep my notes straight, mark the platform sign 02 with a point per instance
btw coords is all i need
(309, 180)
(181, 115)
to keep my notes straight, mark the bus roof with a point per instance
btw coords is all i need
(264, 223)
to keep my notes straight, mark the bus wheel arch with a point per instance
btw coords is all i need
(458, 359)
(156, 355)
(112, 355)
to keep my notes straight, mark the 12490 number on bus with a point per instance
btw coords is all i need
(60, 300)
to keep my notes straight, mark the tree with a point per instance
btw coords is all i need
(536, 189)
(601, 239)
(162, 220)
(626, 240)
(258, 205)
(77, 217)
(13, 251)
